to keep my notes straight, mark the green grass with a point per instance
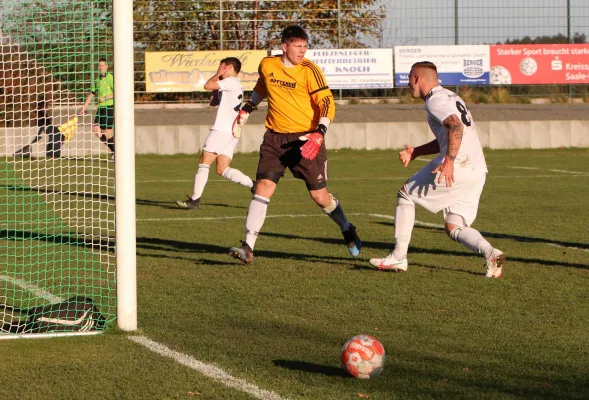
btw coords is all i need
(56, 216)
(279, 323)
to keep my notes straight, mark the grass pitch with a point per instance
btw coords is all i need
(280, 322)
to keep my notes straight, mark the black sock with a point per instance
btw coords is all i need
(111, 144)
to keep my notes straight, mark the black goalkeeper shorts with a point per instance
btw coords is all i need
(105, 117)
(283, 150)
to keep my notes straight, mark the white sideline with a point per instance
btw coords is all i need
(208, 370)
(391, 178)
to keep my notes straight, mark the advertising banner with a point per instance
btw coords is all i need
(353, 68)
(187, 71)
(522, 64)
(457, 65)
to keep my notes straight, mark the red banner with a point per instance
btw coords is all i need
(523, 64)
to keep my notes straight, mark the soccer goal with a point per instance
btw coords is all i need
(67, 265)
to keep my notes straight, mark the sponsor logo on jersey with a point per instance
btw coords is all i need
(284, 84)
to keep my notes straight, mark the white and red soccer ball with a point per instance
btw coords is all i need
(363, 356)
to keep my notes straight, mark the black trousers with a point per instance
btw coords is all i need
(54, 141)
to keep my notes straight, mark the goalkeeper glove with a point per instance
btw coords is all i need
(241, 119)
(314, 140)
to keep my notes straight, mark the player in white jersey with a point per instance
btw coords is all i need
(452, 182)
(220, 144)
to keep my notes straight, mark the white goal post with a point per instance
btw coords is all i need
(125, 165)
(67, 211)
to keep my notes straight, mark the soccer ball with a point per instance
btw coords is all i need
(499, 76)
(528, 66)
(363, 357)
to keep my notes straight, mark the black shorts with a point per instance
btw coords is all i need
(279, 151)
(105, 117)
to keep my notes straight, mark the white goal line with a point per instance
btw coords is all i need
(208, 370)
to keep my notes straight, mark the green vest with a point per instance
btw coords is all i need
(106, 87)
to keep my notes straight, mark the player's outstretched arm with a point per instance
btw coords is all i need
(407, 155)
(411, 153)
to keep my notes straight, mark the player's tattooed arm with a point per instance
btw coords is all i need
(455, 132)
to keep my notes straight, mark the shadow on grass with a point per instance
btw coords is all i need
(97, 196)
(517, 238)
(157, 244)
(310, 367)
(388, 247)
(60, 239)
(173, 206)
(368, 267)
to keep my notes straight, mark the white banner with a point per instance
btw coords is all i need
(353, 68)
(457, 65)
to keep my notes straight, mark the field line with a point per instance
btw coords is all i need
(208, 370)
(36, 290)
(394, 178)
(516, 167)
(568, 172)
(318, 215)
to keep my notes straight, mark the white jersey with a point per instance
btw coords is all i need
(440, 103)
(230, 96)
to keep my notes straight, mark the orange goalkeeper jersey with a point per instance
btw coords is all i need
(297, 96)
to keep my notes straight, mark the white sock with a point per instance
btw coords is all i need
(200, 180)
(472, 239)
(255, 219)
(235, 175)
(404, 221)
(336, 213)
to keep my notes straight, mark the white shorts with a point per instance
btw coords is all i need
(219, 142)
(462, 198)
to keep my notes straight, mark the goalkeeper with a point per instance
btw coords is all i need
(300, 109)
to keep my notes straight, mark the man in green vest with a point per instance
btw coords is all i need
(105, 114)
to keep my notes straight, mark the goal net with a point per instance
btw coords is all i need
(57, 262)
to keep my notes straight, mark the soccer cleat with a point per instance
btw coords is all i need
(112, 158)
(189, 203)
(495, 264)
(352, 241)
(244, 253)
(390, 263)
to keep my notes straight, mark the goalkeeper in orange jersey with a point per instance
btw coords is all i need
(300, 109)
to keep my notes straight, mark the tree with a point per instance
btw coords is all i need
(48, 50)
(252, 24)
(185, 25)
(556, 39)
